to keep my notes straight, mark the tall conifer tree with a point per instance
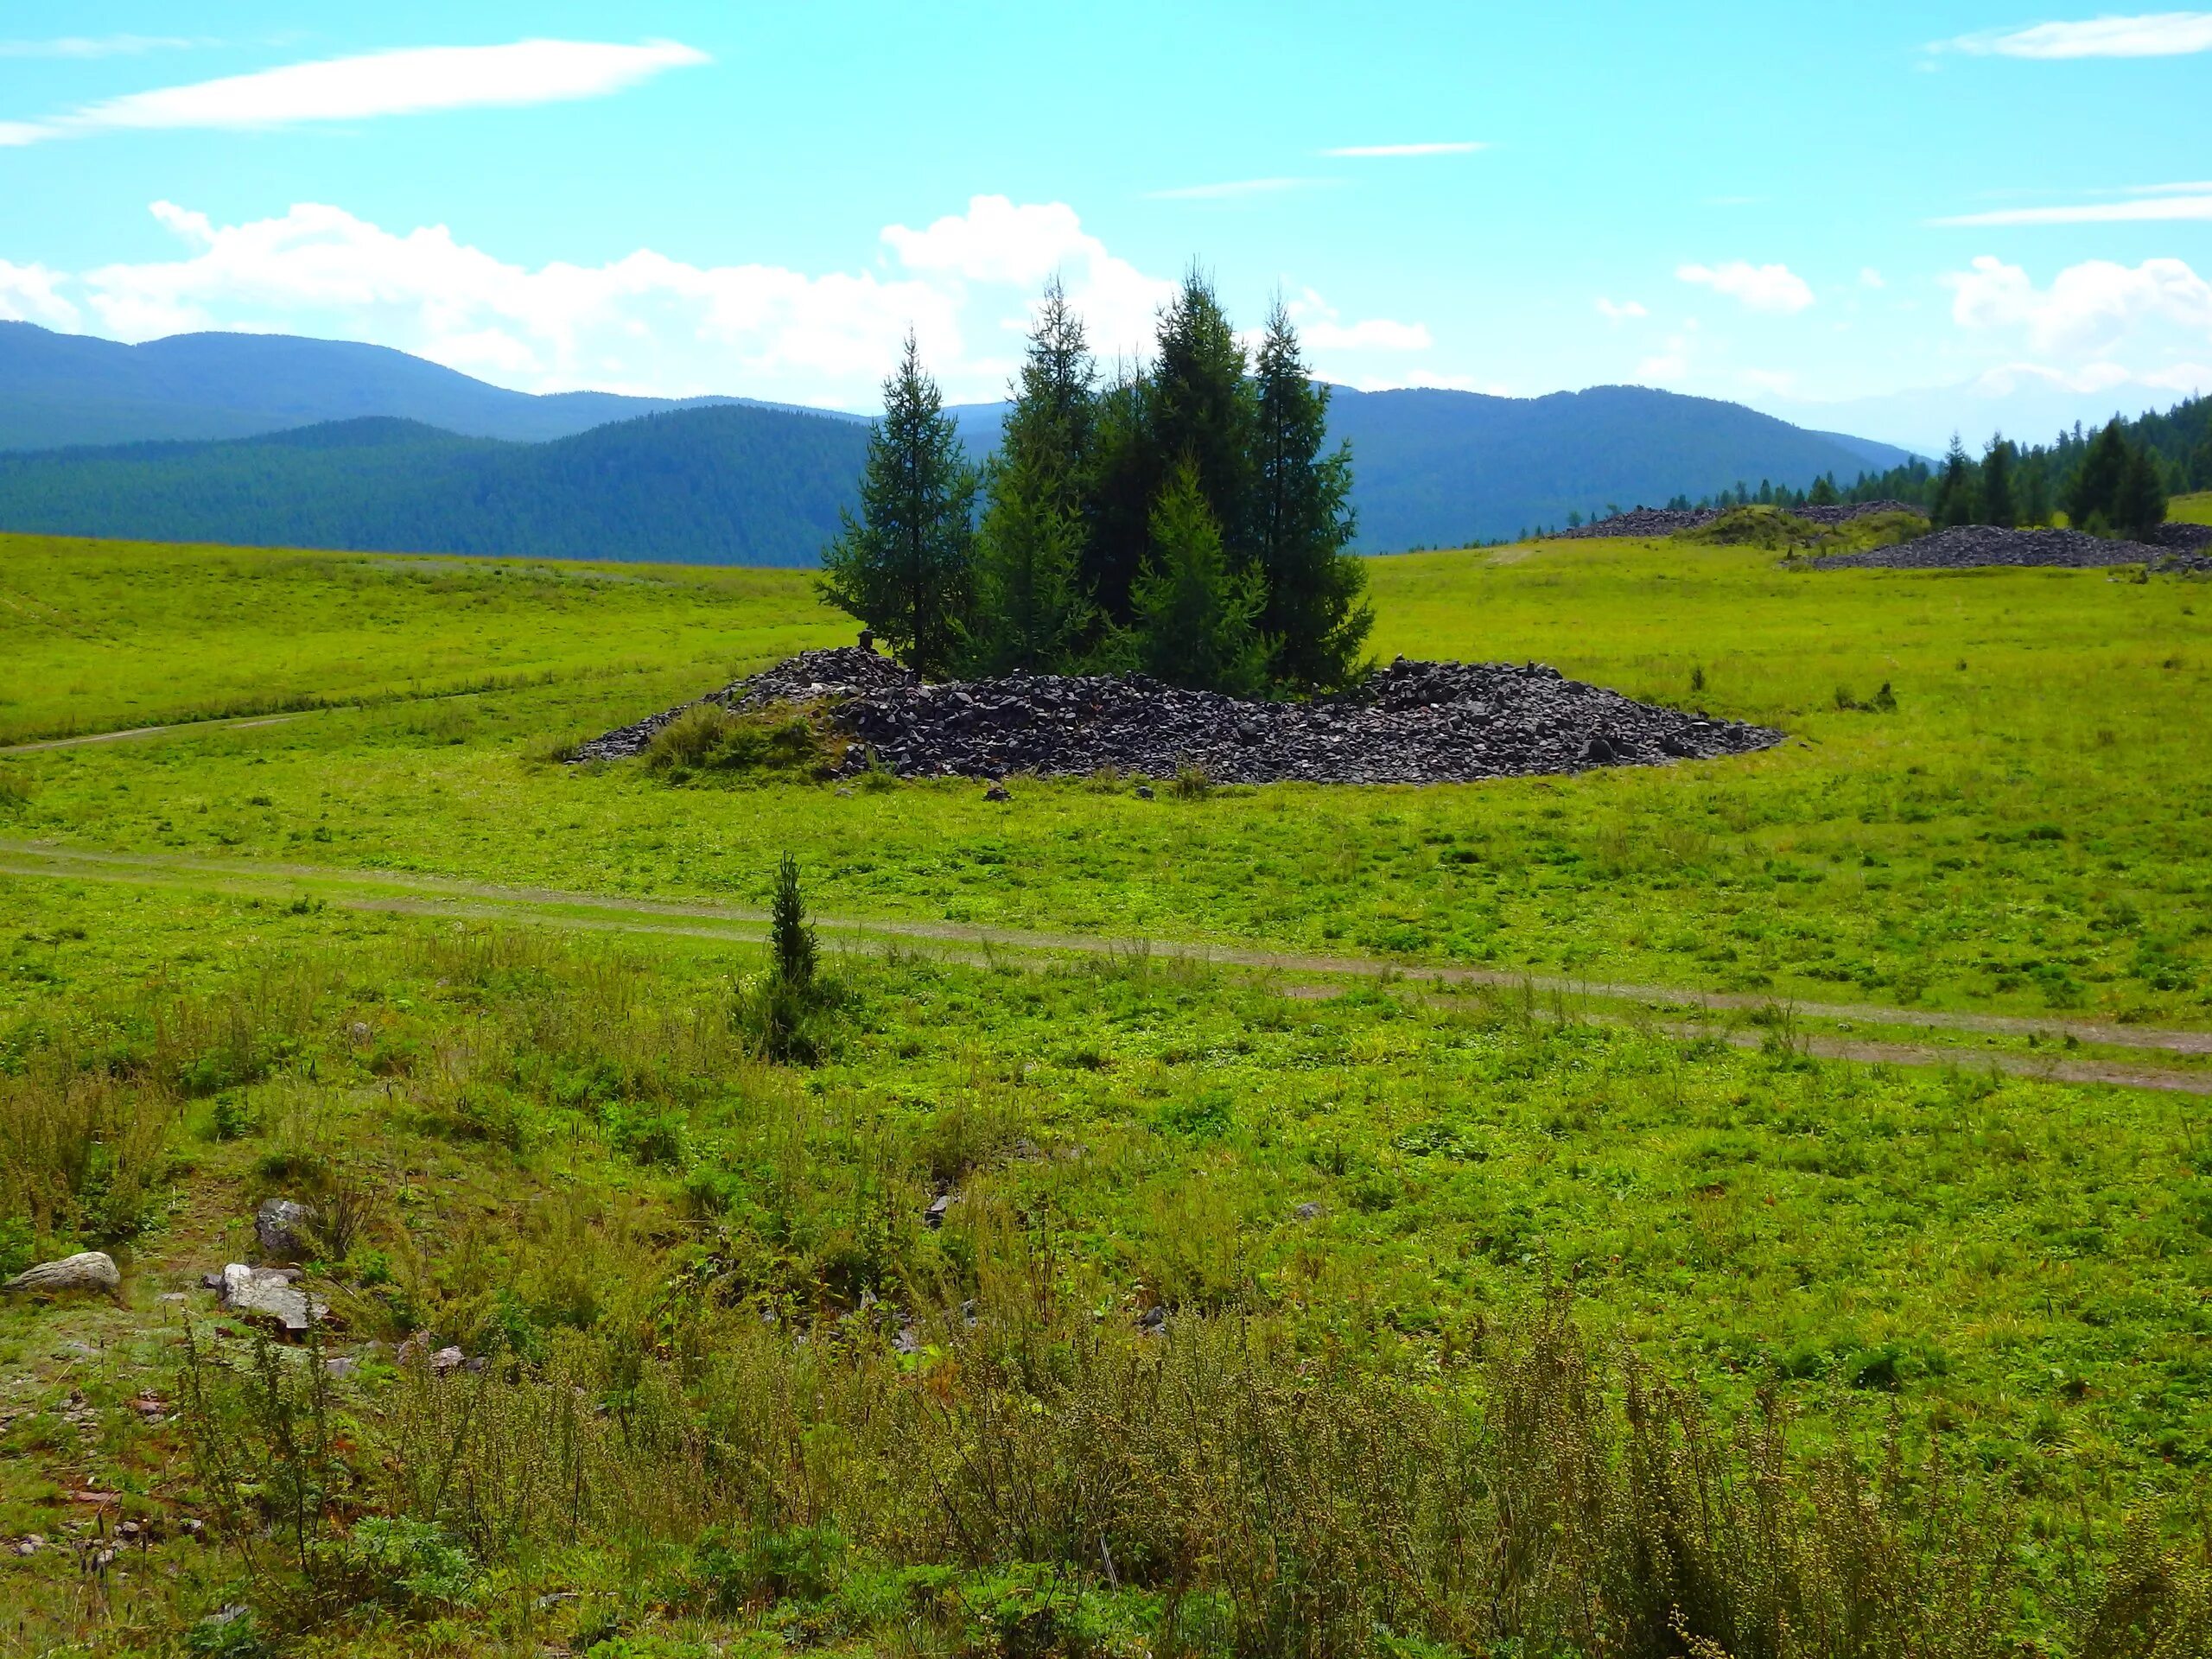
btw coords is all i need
(1997, 505)
(1202, 409)
(1954, 488)
(2093, 501)
(2139, 504)
(1030, 612)
(1301, 523)
(903, 566)
(1196, 615)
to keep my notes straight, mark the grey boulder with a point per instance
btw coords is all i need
(87, 1270)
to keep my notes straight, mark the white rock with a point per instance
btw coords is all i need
(267, 1292)
(87, 1270)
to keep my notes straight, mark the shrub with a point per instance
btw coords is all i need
(708, 737)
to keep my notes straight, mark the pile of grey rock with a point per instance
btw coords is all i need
(1413, 722)
(1970, 546)
(809, 676)
(1665, 521)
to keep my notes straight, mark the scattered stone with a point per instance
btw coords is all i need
(447, 1360)
(270, 1294)
(1144, 792)
(211, 1281)
(844, 794)
(1307, 1211)
(1152, 1321)
(934, 1216)
(1965, 547)
(997, 791)
(908, 1341)
(280, 1226)
(341, 1366)
(1665, 521)
(88, 1270)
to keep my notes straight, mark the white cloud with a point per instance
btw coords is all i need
(668, 325)
(2155, 34)
(105, 45)
(32, 293)
(412, 82)
(997, 242)
(2089, 308)
(1231, 188)
(1370, 151)
(1869, 278)
(967, 283)
(2152, 204)
(1321, 327)
(1622, 312)
(1780, 382)
(1763, 288)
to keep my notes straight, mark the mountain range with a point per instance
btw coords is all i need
(274, 440)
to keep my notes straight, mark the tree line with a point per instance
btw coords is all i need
(2111, 480)
(1184, 518)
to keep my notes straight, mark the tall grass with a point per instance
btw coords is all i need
(1541, 1500)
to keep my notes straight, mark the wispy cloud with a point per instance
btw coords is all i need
(1460, 147)
(1232, 188)
(1622, 311)
(2153, 34)
(2145, 209)
(1762, 288)
(411, 81)
(103, 46)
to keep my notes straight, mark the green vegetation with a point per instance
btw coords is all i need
(1185, 520)
(965, 1299)
(727, 485)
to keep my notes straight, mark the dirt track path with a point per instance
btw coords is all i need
(237, 723)
(408, 893)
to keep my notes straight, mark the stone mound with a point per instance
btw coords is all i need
(1413, 722)
(1665, 521)
(1965, 547)
(809, 676)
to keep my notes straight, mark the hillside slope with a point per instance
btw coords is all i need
(58, 390)
(1436, 468)
(731, 485)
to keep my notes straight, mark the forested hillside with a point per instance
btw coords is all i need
(1433, 467)
(58, 390)
(730, 485)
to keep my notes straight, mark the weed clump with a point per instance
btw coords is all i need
(710, 739)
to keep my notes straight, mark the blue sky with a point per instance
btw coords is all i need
(1888, 218)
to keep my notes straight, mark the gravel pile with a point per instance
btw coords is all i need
(1969, 546)
(2187, 538)
(1413, 722)
(1665, 521)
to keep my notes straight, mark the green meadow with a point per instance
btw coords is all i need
(1094, 1285)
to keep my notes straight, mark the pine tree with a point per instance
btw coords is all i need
(1823, 493)
(1201, 409)
(902, 567)
(1302, 523)
(1127, 475)
(1997, 482)
(1029, 611)
(2199, 465)
(2093, 501)
(1195, 614)
(2035, 491)
(791, 936)
(1955, 491)
(1049, 427)
(2139, 504)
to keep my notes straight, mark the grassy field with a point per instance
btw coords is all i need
(1267, 1312)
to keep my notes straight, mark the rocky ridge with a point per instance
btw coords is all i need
(1965, 547)
(1665, 521)
(1412, 722)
